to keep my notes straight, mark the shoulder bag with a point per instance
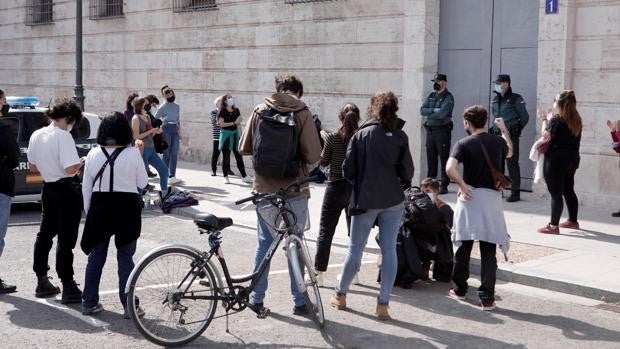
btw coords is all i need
(500, 181)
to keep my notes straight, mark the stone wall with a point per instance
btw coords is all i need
(579, 49)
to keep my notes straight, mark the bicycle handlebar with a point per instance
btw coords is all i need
(282, 192)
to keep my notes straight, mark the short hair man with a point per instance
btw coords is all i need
(478, 201)
(437, 114)
(510, 107)
(289, 90)
(9, 159)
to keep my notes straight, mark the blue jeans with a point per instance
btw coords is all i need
(151, 157)
(5, 211)
(299, 206)
(389, 221)
(94, 268)
(171, 135)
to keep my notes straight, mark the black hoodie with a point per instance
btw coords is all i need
(9, 159)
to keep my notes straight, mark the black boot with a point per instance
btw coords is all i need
(71, 293)
(45, 288)
(6, 288)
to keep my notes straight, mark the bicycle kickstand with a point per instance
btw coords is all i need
(227, 329)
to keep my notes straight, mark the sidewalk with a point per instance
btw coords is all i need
(582, 262)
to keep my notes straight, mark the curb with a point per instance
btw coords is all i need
(503, 274)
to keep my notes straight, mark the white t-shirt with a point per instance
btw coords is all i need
(52, 150)
(129, 172)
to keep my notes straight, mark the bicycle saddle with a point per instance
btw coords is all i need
(210, 222)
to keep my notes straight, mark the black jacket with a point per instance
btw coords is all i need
(377, 161)
(9, 159)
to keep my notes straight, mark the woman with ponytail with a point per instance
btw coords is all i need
(562, 161)
(338, 189)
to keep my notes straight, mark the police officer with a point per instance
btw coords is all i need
(437, 113)
(510, 107)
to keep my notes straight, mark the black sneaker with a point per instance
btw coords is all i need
(71, 293)
(513, 198)
(6, 288)
(92, 310)
(300, 309)
(45, 288)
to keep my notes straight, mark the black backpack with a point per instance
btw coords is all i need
(422, 217)
(275, 145)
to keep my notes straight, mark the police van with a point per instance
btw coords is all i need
(25, 116)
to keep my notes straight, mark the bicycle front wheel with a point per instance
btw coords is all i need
(161, 296)
(298, 255)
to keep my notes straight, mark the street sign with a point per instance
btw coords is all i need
(551, 6)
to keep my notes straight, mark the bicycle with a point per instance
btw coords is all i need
(178, 286)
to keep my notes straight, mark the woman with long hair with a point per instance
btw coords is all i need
(338, 191)
(228, 118)
(377, 160)
(562, 161)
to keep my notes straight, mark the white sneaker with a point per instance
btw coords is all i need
(247, 179)
(226, 180)
(174, 180)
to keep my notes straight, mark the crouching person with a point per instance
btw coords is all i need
(112, 174)
(478, 214)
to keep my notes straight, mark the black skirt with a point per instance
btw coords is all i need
(116, 213)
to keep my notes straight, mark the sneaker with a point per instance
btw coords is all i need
(261, 311)
(174, 180)
(247, 179)
(318, 277)
(151, 174)
(382, 312)
(149, 187)
(226, 180)
(45, 288)
(452, 294)
(549, 229)
(338, 301)
(92, 310)
(487, 305)
(6, 288)
(513, 198)
(213, 174)
(139, 312)
(300, 309)
(569, 225)
(71, 293)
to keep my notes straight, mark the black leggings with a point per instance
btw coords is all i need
(226, 162)
(560, 177)
(216, 155)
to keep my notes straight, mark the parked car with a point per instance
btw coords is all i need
(25, 116)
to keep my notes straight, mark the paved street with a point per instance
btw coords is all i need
(423, 316)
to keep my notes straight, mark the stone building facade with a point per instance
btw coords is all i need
(343, 50)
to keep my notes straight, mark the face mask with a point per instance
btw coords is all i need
(436, 86)
(231, 102)
(498, 88)
(5, 110)
(430, 195)
(170, 99)
(69, 127)
(147, 107)
(555, 106)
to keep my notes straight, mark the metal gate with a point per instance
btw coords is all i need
(479, 39)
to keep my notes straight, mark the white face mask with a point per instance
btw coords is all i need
(555, 106)
(231, 102)
(498, 88)
(430, 195)
(69, 127)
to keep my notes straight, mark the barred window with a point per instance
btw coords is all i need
(38, 12)
(193, 5)
(102, 9)
(293, 2)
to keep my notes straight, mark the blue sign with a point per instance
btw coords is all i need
(551, 6)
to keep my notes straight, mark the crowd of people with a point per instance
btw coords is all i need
(368, 166)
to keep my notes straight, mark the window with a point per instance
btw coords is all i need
(38, 12)
(102, 9)
(193, 5)
(292, 2)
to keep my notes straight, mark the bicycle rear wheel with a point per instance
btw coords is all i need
(310, 289)
(160, 286)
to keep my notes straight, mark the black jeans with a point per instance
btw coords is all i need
(336, 199)
(488, 269)
(216, 155)
(438, 140)
(61, 214)
(559, 174)
(226, 159)
(512, 163)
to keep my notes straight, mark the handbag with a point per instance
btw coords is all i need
(160, 143)
(500, 181)
(543, 145)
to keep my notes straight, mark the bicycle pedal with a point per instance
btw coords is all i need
(204, 283)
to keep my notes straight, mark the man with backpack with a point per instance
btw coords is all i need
(281, 136)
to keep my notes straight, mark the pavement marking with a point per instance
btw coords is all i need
(276, 272)
(54, 303)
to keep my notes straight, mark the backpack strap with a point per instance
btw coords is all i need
(109, 160)
(486, 155)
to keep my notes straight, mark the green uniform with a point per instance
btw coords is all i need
(437, 109)
(510, 107)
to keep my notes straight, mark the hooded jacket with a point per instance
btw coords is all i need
(309, 144)
(9, 159)
(377, 161)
